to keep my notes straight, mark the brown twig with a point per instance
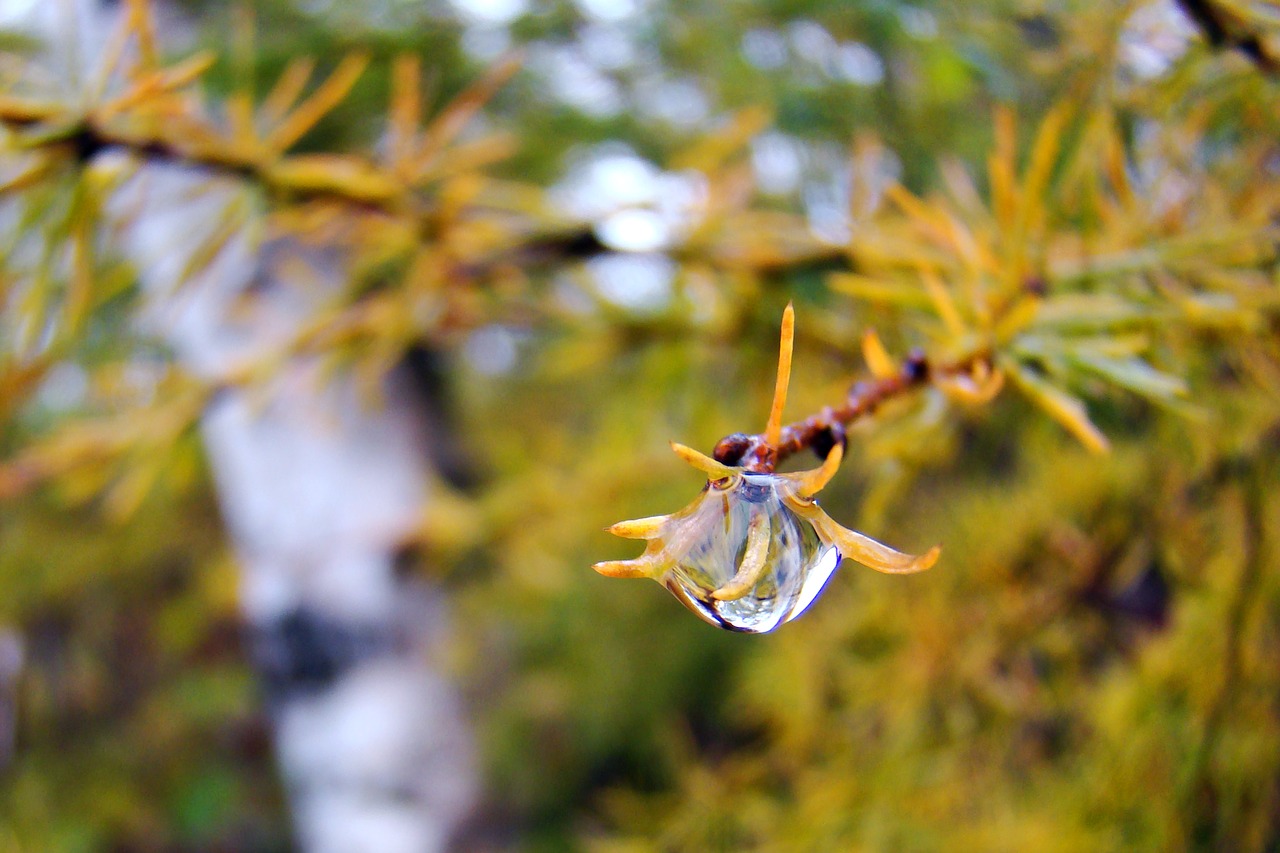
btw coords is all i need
(826, 429)
(1215, 24)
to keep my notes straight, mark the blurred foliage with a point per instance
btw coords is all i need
(1082, 196)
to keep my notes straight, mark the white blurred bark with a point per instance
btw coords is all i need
(318, 485)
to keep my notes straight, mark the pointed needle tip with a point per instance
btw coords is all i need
(816, 480)
(710, 467)
(619, 569)
(638, 528)
(773, 429)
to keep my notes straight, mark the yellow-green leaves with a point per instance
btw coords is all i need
(1060, 405)
(1068, 276)
(319, 103)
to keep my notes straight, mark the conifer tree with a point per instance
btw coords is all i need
(333, 336)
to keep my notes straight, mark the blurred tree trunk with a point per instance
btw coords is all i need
(319, 485)
(319, 482)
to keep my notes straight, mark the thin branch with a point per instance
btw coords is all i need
(823, 431)
(1215, 23)
(90, 136)
(45, 126)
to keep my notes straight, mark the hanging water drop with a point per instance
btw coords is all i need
(751, 563)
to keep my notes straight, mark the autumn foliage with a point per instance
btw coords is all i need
(1082, 243)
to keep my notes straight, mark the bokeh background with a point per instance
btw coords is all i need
(589, 259)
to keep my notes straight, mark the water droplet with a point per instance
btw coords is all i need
(713, 542)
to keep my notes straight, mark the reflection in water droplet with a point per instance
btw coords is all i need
(712, 541)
